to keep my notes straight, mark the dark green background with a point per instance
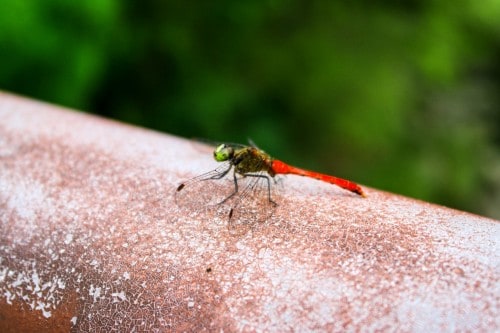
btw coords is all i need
(399, 95)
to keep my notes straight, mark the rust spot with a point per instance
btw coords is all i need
(20, 317)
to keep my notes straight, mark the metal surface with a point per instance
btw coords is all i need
(91, 240)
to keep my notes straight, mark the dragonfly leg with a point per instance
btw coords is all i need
(235, 189)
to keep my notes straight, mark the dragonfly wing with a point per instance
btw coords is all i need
(208, 189)
(255, 203)
(244, 206)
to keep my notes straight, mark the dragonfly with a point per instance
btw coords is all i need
(242, 185)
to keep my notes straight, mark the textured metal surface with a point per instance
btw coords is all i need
(91, 240)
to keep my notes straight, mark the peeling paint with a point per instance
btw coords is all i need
(91, 240)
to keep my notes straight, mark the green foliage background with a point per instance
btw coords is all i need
(398, 95)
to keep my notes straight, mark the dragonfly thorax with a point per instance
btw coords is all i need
(250, 160)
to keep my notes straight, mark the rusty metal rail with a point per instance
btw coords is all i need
(91, 240)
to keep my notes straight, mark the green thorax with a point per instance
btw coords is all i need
(251, 159)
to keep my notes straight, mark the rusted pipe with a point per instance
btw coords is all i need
(92, 240)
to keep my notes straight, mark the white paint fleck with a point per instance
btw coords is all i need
(126, 276)
(61, 284)
(36, 281)
(190, 304)
(41, 306)
(73, 321)
(95, 292)
(121, 295)
(46, 285)
(68, 239)
(9, 297)
(3, 273)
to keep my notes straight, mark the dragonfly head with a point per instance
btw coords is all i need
(223, 153)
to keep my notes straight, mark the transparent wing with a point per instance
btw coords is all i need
(208, 189)
(255, 201)
(243, 204)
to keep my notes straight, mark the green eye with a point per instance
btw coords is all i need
(223, 153)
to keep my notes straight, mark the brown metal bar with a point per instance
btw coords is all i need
(91, 239)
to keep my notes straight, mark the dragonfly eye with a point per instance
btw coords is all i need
(223, 153)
